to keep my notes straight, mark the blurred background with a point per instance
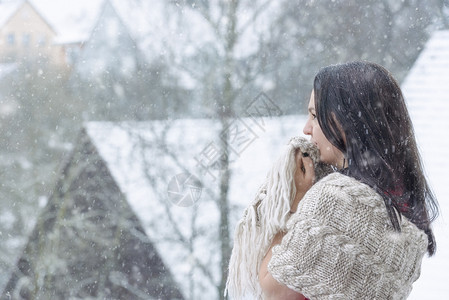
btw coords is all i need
(75, 75)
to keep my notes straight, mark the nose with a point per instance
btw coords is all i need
(307, 130)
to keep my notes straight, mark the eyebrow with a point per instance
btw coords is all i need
(311, 109)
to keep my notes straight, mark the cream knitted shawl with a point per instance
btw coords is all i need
(266, 216)
(340, 245)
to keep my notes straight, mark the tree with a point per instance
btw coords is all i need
(38, 125)
(118, 81)
(228, 78)
(319, 33)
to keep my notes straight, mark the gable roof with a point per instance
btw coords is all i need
(426, 90)
(73, 20)
(145, 158)
(110, 45)
(87, 241)
(7, 10)
(7, 68)
(10, 9)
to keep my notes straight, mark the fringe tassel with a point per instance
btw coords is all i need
(261, 221)
(267, 215)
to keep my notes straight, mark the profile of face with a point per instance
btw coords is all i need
(328, 153)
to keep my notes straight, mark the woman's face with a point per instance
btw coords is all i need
(328, 152)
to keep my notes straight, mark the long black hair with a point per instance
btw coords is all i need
(362, 112)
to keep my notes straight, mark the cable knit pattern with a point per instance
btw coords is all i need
(340, 244)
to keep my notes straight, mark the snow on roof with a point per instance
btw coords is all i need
(7, 68)
(426, 89)
(7, 9)
(143, 168)
(73, 20)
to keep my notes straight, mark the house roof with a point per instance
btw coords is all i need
(73, 20)
(129, 264)
(7, 68)
(7, 9)
(109, 39)
(145, 169)
(426, 89)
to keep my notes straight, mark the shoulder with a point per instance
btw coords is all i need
(340, 194)
(342, 185)
(342, 228)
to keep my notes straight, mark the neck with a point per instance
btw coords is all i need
(341, 163)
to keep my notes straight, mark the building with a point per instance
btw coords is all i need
(426, 90)
(90, 42)
(109, 47)
(25, 35)
(88, 242)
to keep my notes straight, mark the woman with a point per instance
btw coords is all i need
(361, 232)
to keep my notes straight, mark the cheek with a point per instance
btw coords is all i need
(327, 154)
(318, 135)
(326, 148)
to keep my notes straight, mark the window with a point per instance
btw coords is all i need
(11, 39)
(41, 40)
(26, 37)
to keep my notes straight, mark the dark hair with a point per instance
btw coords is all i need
(362, 112)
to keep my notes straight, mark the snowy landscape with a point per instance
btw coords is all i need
(107, 107)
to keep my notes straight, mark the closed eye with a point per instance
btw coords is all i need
(312, 113)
